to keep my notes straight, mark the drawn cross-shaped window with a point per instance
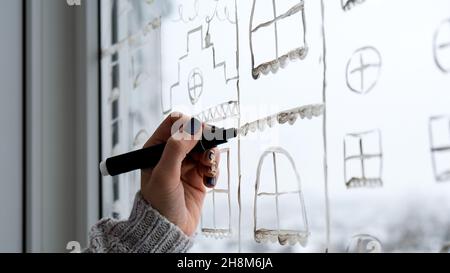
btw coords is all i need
(363, 70)
(195, 85)
(217, 199)
(363, 159)
(442, 46)
(272, 35)
(296, 211)
(439, 130)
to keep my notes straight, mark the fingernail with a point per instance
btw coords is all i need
(192, 126)
(211, 156)
(210, 182)
(213, 169)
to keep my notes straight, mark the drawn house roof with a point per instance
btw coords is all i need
(197, 40)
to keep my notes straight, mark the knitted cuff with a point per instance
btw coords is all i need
(146, 231)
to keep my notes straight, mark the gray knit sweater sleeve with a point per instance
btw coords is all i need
(146, 231)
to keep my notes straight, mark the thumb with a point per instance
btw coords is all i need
(179, 145)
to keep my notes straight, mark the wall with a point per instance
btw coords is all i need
(62, 174)
(11, 124)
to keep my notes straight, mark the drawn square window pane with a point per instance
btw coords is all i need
(363, 159)
(286, 41)
(353, 168)
(267, 204)
(266, 52)
(271, 30)
(281, 234)
(439, 130)
(288, 203)
(216, 215)
(349, 4)
(441, 164)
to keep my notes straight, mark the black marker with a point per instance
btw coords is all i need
(149, 157)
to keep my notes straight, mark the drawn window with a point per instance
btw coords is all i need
(363, 159)
(271, 35)
(195, 85)
(218, 201)
(439, 130)
(364, 70)
(276, 232)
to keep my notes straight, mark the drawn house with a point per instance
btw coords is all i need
(202, 82)
(280, 234)
(270, 49)
(206, 88)
(286, 48)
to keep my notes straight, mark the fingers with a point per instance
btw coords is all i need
(165, 130)
(209, 167)
(210, 175)
(180, 144)
(210, 157)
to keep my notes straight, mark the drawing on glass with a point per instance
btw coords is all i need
(349, 4)
(183, 15)
(220, 112)
(134, 40)
(215, 230)
(195, 85)
(441, 46)
(363, 159)
(196, 79)
(439, 133)
(364, 243)
(363, 70)
(288, 116)
(283, 236)
(269, 29)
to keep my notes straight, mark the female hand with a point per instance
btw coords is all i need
(176, 186)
